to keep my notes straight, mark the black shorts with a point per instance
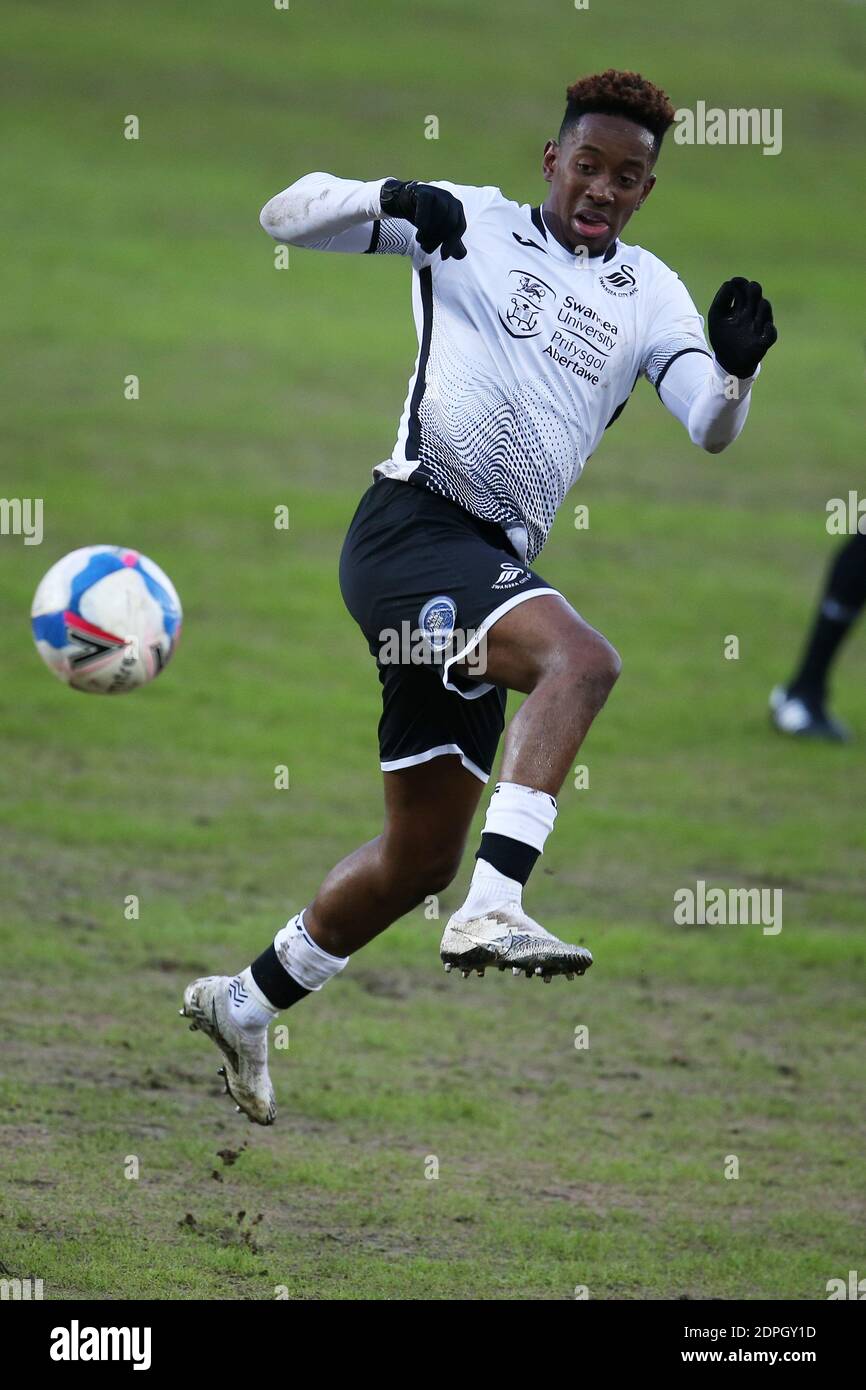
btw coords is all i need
(425, 581)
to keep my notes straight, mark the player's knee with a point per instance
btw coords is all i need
(609, 665)
(603, 669)
(591, 664)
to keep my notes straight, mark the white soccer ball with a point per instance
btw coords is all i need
(106, 619)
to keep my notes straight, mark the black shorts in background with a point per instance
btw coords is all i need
(417, 565)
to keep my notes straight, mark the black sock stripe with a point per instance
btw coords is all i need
(511, 857)
(279, 988)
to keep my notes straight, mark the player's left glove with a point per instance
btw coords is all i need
(740, 325)
(436, 213)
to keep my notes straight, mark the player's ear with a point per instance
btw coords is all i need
(548, 162)
(646, 191)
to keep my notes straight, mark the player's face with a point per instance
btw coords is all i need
(599, 175)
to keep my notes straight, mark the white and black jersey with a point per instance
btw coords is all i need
(527, 352)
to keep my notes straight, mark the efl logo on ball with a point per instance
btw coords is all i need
(106, 619)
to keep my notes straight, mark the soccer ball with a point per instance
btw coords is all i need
(106, 619)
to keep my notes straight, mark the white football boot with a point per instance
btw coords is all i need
(245, 1072)
(505, 936)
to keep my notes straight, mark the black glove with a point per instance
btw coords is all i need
(741, 328)
(436, 213)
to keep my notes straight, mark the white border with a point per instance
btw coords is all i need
(415, 758)
(478, 690)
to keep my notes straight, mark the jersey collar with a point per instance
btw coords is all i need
(562, 253)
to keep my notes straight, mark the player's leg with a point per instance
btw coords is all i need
(801, 707)
(428, 811)
(436, 753)
(567, 669)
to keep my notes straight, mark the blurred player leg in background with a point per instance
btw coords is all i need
(800, 708)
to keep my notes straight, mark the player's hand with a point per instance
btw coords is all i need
(436, 213)
(740, 325)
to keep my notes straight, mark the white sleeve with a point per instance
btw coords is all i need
(325, 213)
(710, 403)
(674, 329)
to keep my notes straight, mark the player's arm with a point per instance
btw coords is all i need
(710, 395)
(326, 213)
(710, 402)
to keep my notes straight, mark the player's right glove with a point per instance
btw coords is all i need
(436, 213)
(740, 326)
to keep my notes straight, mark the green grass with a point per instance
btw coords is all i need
(558, 1167)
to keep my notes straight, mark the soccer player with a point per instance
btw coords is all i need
(534, 325)
(800, 707)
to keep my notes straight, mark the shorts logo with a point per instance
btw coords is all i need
(437, 621)
(510, 576)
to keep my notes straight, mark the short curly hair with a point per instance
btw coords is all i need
(614, 93)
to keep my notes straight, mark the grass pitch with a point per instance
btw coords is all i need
(560, 1167)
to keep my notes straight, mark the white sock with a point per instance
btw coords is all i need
(248, 1007)
(518, 813)
(489, 889)
(521, 813)
(301, 958)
